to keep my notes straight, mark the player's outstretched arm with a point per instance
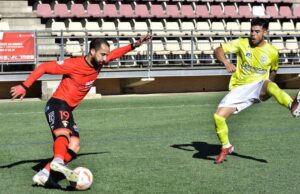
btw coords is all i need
(49, 67)
(143, 40)
(119, 52)
(220, 55)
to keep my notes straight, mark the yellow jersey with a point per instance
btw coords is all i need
(253, 63)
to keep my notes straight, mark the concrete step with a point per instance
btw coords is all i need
(19, 15)
(13, 4)
(24, 23)
(26, 9)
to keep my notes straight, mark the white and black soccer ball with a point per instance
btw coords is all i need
(85, 179)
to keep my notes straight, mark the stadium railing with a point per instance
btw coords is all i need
(185, 50)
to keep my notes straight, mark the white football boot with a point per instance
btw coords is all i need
(69, 174)
(295, 107)
(40, 178)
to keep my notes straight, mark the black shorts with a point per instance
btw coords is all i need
(59, 115)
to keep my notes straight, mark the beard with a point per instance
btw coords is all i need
(96, 64)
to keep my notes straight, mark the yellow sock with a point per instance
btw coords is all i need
(221, 129)
(281, 96)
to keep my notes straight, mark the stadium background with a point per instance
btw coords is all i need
(180, 56)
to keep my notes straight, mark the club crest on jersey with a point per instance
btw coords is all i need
(248, 55)
(65, 123)
(263, 59)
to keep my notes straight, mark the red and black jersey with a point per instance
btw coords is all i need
(78, 76)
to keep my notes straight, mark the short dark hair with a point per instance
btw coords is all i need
(260, 22)
(96, 43)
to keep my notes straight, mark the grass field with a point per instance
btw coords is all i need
(157, 144)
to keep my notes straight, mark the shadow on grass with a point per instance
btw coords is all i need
(207, 151)
(55, 177)
(42, 162)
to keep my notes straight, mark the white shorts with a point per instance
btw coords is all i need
(242, 97)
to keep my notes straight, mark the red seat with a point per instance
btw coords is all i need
(272, 12)
(44, 10)
(77, 10)
(202, 11)
(93, 10)
(61, 10)
(142, 11)
(126, 11)
(296, 12)
(158, 11)
(187, 11)
(110, 10)
(230, 11)
(173, 12)
(216, 11)
(286, 12)
(244, 11)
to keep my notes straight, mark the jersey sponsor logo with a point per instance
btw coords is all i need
(250, 69)
(87, 86)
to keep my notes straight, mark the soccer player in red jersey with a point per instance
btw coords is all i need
(79, 75)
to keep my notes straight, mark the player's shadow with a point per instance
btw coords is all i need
(56, 177)
(42, 162)
(207, 151)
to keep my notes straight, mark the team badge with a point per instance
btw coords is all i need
(248, 55)
(263, 59)
(65, 123)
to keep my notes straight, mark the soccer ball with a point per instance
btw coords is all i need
(85, 178)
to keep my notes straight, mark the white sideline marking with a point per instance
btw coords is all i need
(117, 108)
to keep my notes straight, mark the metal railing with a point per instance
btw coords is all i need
(182, 49)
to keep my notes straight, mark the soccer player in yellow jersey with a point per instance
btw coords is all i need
(252, 80)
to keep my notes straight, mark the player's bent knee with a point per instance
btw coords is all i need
(218, 117)
(74, 144)
(74, 148)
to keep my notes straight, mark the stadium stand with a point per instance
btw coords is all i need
(185, 31)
